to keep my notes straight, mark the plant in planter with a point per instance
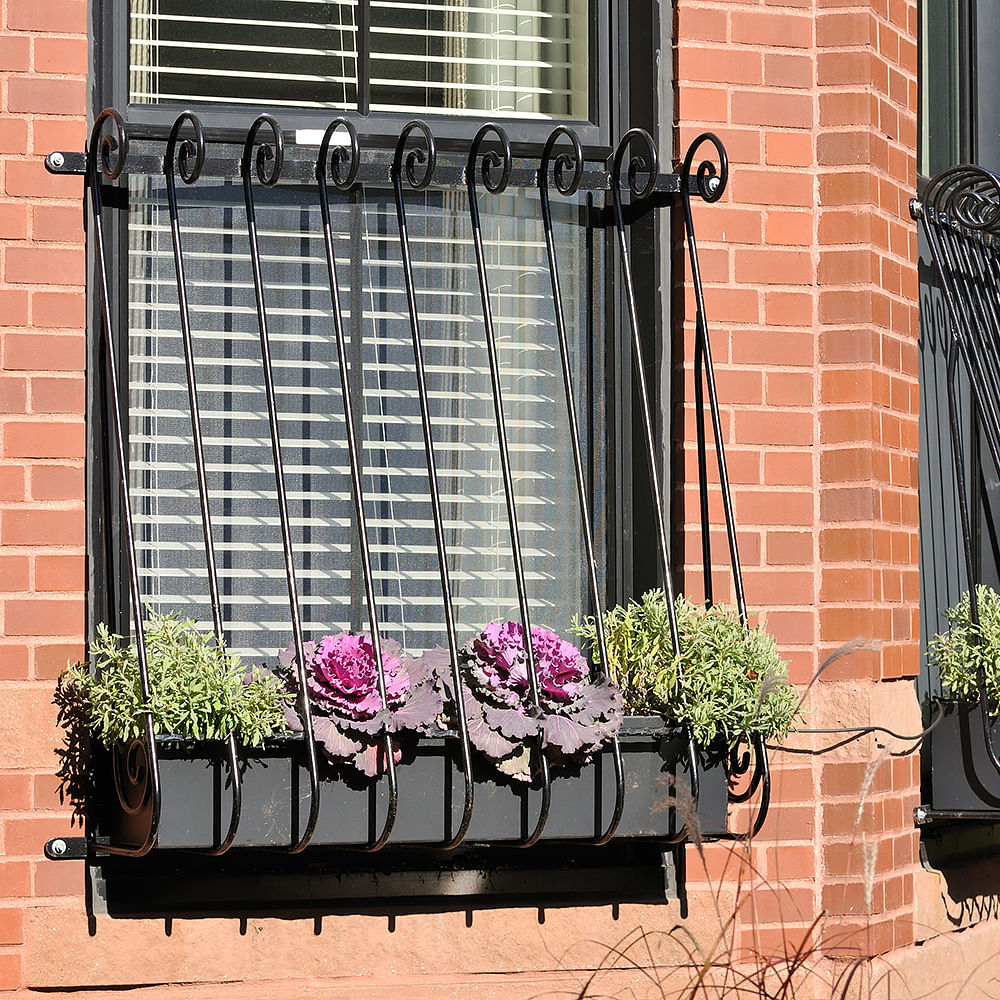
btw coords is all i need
(962, 650)
(961, 772)
(728, 682)
(348, 716)
(197, 689)
(575, 717)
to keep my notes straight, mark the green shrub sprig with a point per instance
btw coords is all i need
(958, 655)
(732, 681)
(197, 689)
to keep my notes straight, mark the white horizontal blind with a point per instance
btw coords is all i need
(237, 443)
(466, 57)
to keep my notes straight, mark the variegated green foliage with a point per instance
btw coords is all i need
(197, 690)
(731, 681)
(959, 652)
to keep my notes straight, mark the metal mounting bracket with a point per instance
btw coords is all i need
(66, 849)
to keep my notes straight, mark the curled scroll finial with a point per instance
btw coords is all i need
(338, 161)
(107, 151)
(645, 161)
(968, 195)
(424, 155)
(568, 160)
(491, 160)
(190, 155)
(710, 182)
(270, 155)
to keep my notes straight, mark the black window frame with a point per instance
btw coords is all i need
(626, 90)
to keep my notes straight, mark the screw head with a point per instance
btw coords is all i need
(57, 160)
(58, 848)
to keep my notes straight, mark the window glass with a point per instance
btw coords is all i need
(237, 442)
(522, 60)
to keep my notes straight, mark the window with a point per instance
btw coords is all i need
(305, 61)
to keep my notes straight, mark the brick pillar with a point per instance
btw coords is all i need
(811, 297)
(43, 66)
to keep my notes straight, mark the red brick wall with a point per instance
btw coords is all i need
(811, 291)
(811, 296)
(43, 61)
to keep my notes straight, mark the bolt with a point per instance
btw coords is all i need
(920, 815)
(57, 848)
(57, 161)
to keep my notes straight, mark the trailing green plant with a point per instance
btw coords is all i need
(959, 652)
(728, 681)
(197, 689)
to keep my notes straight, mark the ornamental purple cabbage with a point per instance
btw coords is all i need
(574, 715)
(342, 676)
(349, 718)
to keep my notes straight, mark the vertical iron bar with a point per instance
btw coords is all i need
(649, 165)
(711, 187)
(190, 171)
(272, 152)
(332, 163)
(425, 156)
(100, 163)
(491, 161)
(564, 162)
(364, 56)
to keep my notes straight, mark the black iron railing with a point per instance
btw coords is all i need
(960, 215)
(414, 165)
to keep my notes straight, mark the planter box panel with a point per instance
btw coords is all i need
(197, 798)
(962, 775)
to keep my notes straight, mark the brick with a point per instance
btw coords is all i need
(850, 504)
(13, 393)
(699, 24)
(789, 149)
(841, 30)
(59, 310)
(39, 439)
(772, 30)
(787, 507)
(844, 69)
(52, 660)
(704, 104)
(58, 395)
(789, 388)
(50, 352)
(759, 347)
(15, 879)
(768, 107)
(46, 95)
(67, 56)
(60, 573)
(13, 662)
(57, 16)
(15, 795)
(44, 266)
(788, 308)
(10, 970)
(60, 878)
(13, 307)
(44, 617)
(774, 427)
(11, 925)
(13, 136)
(773, 187)
(13, 226)
(785, 70)
(42, 527)
(773, 267)
(15, 53)
(56, 133)
(57, 224)
(56, 482)
(789, 228)
(11, 482)
(788, 468)
(14, 573)
(790, 548)
(710, 66)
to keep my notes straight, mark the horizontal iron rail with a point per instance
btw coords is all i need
(375, 167)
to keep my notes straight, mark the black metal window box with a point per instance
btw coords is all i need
(651, 784)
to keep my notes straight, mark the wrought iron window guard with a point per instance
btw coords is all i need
(960, 216)
(413, 164)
